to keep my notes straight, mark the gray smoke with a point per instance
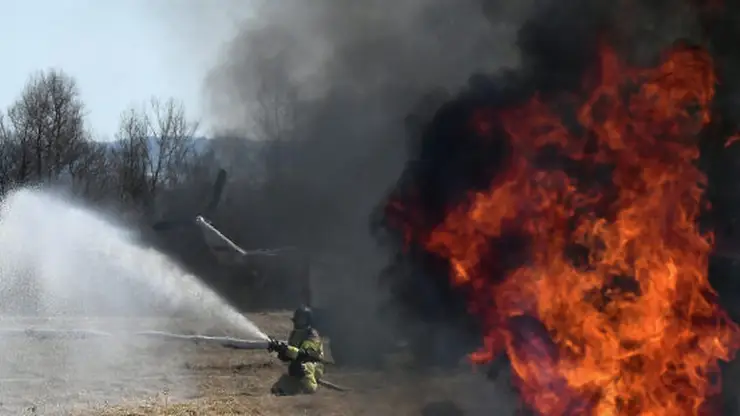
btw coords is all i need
(382, 52)
(335, 80)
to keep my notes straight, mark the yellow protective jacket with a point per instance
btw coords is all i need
(304, 353)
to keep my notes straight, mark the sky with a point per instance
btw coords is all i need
(121, 52)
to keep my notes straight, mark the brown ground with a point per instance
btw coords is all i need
(173, 378)
(185, 379)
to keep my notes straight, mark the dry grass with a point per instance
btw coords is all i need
(262, 406)
(238, 383)
(391, 399)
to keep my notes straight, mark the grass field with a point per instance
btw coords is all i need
(175, 378)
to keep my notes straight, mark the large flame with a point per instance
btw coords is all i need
(633, 328)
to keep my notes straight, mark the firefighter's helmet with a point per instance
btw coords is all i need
(302, 317)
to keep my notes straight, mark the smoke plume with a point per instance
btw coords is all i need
(338, 89)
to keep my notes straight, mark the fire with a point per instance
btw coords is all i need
(632, 328)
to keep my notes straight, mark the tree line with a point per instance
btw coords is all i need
(44, 139)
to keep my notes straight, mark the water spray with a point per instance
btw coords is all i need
(61, 259)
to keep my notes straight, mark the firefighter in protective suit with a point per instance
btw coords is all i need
(305, 354)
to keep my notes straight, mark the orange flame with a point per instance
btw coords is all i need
(653, 347)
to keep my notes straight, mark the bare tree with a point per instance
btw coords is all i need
(130, 158)
(173, 135)
(7, 156)
(48, 122)
(275, 99)
(275, 113)
(264, 92)
(92, 176)
(153, 150)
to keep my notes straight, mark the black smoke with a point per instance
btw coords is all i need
(558, 44)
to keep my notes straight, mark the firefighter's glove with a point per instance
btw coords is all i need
(280, 347)
(274, 345)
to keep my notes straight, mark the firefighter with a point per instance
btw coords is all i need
(305, 354)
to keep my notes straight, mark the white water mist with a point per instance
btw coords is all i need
(58, 258)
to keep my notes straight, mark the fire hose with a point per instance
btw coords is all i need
(271, 344)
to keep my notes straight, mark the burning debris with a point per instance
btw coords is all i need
(566, 219)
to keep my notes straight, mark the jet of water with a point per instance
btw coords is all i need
(58, 258)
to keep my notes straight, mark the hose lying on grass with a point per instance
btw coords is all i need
(45, 333)
(236, 343)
